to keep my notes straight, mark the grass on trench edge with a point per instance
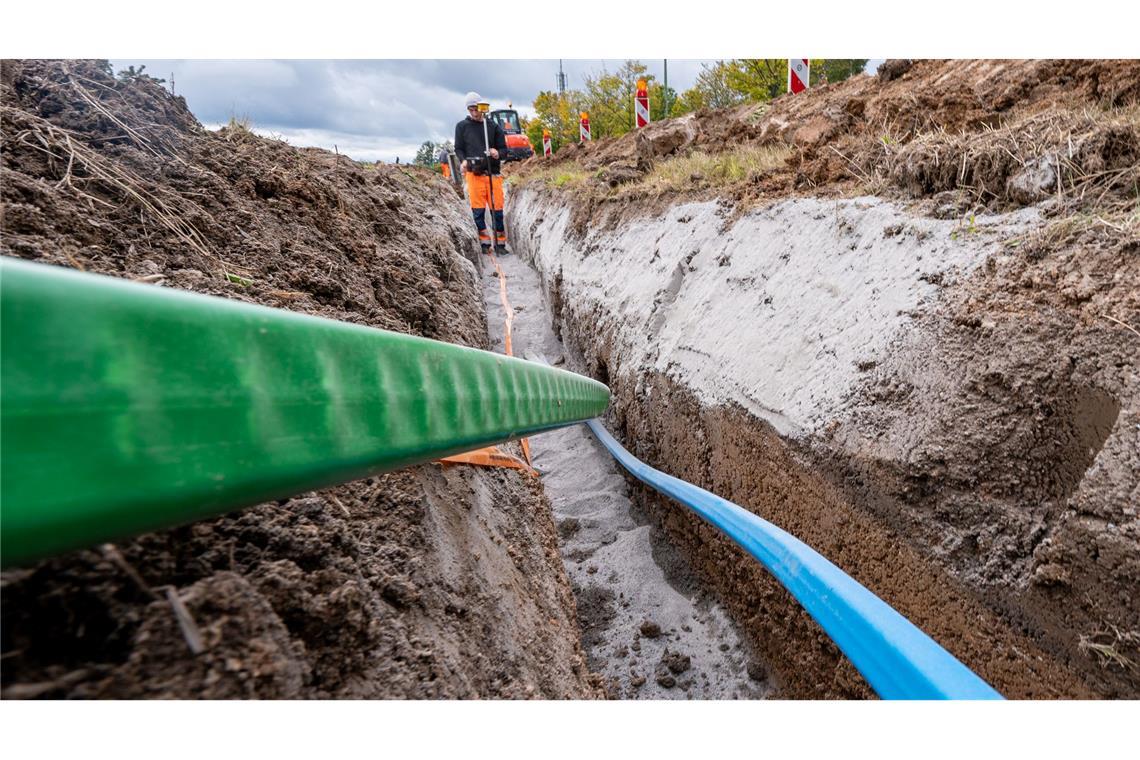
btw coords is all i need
(711, 169)
(674, 174)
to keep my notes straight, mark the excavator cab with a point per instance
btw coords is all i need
(518, 144)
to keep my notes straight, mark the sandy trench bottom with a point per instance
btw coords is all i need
(647, 625)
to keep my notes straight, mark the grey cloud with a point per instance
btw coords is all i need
(370, 109)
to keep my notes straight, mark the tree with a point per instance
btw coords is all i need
(130, 75)
(556, 113)
(426, 155)
(657, 93)
(760, 79)
(757, 79)
(832, 70)
(711, 90)
(608, 98)
(533, 130)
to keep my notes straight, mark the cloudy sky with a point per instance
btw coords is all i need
(370, 109)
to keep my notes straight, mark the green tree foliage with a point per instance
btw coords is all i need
(757, 79)
(533, 130)
(832, 70)
(729, 83)
(712, 90)
(129, 74)
(608, 96)
(426, 155)
(556, 113)
(657, 93)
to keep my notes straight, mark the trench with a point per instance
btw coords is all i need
(650, 626)
(766, 356)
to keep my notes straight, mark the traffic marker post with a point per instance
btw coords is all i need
(584, 127)
(641, 103)
(799, 74)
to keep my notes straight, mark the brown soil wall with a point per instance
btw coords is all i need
(1000, 437)
(731, 453)
(424, 583)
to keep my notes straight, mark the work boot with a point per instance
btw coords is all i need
(486, 249)
(502, 250)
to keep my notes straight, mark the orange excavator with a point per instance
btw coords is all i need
(518, 144)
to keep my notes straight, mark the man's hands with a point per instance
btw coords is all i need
(494, 152)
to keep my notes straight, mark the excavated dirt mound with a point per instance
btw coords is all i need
(977, 466)
(420, 583)
(971, 134)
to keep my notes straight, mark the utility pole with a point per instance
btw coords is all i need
(665, 92)
(561, 80)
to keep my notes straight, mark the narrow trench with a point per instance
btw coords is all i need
(648, 627)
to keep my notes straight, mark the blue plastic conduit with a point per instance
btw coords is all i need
(896, 658)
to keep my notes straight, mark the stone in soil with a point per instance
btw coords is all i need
(650, 630)
(757, 672)
(676, 662)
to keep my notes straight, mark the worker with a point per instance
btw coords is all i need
(478, 163)
(444, 165)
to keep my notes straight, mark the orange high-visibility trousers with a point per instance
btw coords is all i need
(446, 169)
(477, 191)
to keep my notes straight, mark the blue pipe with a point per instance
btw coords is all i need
(896, 658)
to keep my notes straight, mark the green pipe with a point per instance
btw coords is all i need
(126, 408)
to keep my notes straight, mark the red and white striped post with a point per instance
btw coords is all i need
(584, 127)
(641, 103)
(799, 72)
(547, 146)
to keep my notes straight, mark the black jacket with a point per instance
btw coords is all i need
(469, 141)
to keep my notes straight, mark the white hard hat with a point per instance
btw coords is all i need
(473, 99)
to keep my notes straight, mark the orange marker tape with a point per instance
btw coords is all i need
(510, 320)
(493, 456)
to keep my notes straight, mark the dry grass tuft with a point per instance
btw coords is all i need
(1105, 646)
(696, 170)
(243, 123)
(63, 148)
(711, 169)
(167, 146)
(567, 176)
(1089, 155)
(1109, 223)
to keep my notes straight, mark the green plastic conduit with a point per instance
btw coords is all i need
(126, 407)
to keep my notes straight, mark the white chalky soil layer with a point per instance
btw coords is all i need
(623, 578)
(775, 312)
